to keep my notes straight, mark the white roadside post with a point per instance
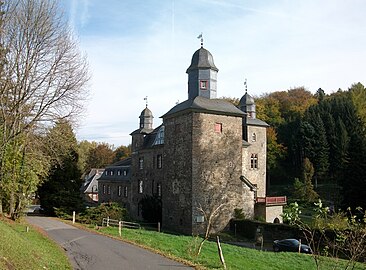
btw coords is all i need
(120, 228)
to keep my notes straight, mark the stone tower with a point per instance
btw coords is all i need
(203, 155)
(255, 148)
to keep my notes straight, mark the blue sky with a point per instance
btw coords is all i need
(143, 48)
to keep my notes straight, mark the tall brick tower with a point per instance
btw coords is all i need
(203, 155)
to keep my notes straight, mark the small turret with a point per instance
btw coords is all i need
(247, 105)
(202, 75)
(146, 119)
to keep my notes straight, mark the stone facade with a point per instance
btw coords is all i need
(255, 158)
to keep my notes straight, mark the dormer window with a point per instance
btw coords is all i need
(159, 136)
(203, 85)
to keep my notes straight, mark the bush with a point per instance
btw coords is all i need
(95, 215)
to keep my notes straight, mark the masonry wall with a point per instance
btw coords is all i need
(108, 191)
(256, 176)
(177, 185)
(145, 180)
(216, 168)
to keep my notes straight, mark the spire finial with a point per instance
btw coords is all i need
(201, 37)
(246, 86)
(145, 98)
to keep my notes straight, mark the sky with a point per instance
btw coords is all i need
(142, 48)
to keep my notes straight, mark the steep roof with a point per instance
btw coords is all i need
(115, 172)
(256, 122)
(202, 104)
(202, 59)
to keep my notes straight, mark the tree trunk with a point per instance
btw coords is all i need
(200, 246)
(220, 252)
(1, 205)
(11, 204)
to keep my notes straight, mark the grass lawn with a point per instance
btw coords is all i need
(183, 247)
(28, 250)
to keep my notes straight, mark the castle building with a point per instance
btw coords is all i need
(207, 159)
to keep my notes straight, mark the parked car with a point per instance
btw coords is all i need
(291, 245)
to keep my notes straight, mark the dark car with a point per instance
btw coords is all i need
(291, 245)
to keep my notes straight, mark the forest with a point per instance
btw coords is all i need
(317, 144)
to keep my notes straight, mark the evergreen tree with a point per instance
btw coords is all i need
(61, 190)
(354, 184)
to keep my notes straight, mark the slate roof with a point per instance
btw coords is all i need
(256, 122)
(91, 180)
(150, 138)
(142, 131)
(246, 100)
(115, 172)
(202, 59)
(202, 104)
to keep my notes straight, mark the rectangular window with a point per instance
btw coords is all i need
(218, 127)
(158, 189)
(118, 172)
(109, 189)
(159, 161)
(254, 161)
(125, 191)
(141, 163)
(124, 172)
(203, 85)
(119, 191)
(141, 186)
(104, 189)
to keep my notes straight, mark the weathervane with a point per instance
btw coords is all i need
(246, 85)
(145, 98)
(201, 37)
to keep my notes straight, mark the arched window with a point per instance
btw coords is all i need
(254, 137)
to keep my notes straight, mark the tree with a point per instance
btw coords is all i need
(122, 152)
(336, 235)
(84, 148)
(60, 191)
(304, 189)
(45, 75)
(43, 78)
(358, 95)
(100, 156)
(276, 151)
(354, 185)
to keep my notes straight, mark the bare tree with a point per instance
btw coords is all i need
(44, 76)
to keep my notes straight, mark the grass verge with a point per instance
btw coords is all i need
(182, 248)
(20, 249)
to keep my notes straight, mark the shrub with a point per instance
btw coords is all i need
(95, 215)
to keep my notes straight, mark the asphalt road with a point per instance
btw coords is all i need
(91, 251)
